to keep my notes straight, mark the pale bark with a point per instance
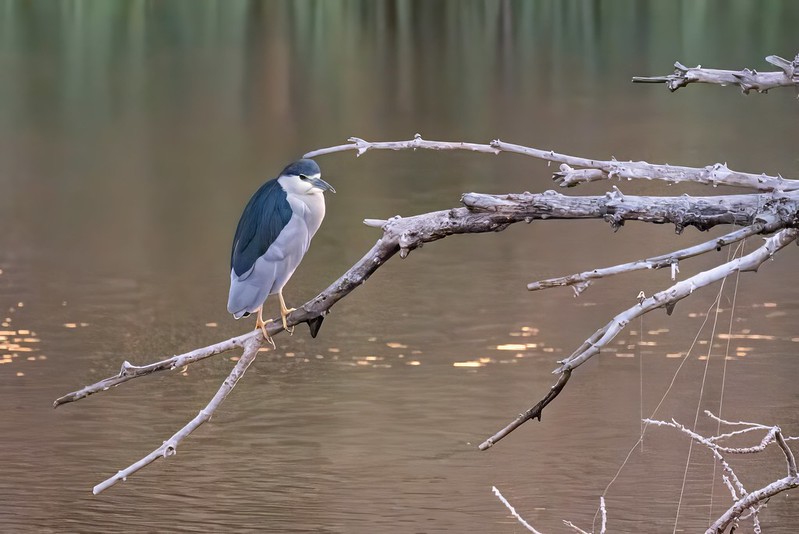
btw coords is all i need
(589, 170)
(581, 281)
(746, 79)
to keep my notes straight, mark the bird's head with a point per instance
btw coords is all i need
(303, 177)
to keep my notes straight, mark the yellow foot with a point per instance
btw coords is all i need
(259, 323)
(283, 314)
(284, 311)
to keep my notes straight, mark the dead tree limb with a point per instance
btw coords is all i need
(763, 212)
(575, 170)
(746, 79)
(490, 213)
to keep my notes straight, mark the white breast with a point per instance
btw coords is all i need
(311, 208)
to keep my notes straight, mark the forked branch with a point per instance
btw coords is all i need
(170, 446)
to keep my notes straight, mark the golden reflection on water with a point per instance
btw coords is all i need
(519, 350)
(20, 345)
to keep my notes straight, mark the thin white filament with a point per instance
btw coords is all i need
(699, 401)
(662, 399)
(724, 373)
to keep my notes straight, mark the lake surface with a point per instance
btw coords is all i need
(133, 133)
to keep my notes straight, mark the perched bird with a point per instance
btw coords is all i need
(272, 237)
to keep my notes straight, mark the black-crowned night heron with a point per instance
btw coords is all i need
(272, 237)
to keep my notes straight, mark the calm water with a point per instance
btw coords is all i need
(131, 135)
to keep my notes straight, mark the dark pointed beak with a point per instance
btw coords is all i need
(321, 184)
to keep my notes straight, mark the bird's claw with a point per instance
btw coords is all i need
(286, 327)
(262, 325)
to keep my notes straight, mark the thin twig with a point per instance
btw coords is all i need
(789, 458)
(534, 412)
(604, 515)
(581, 281)
(733, 423)
(513, 511)
(169, 447)
(575, 527)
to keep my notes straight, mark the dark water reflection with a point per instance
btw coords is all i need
(131, 134)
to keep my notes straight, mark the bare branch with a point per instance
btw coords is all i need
(746, 79)
(666, 298)
(669, 297)
(575, 170)
(129, 372)
(581, 281)
(575, 527)
(169, 447)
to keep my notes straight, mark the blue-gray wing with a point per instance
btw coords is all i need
(265, 215)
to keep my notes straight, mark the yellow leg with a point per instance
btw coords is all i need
(284, 312)
(259, 323)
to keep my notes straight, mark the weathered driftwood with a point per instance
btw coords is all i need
(760, 212)
(746, 79)
(588, 170)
